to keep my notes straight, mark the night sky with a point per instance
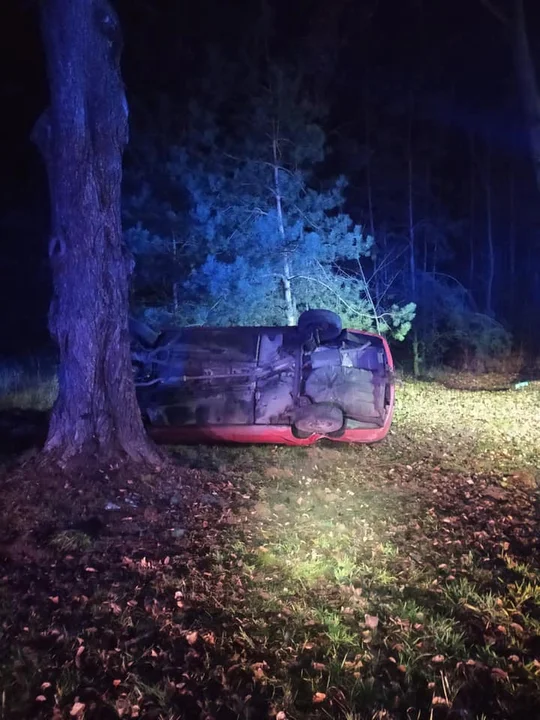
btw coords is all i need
(456, 46)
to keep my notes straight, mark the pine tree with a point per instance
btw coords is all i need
(266, 239)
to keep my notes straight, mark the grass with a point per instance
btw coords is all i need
(480, 430)
(395, 581)
(28, 384)
(71, 541)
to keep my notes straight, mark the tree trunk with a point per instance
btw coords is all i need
(290, 304)
(369, 182)
(472, 210)
(512, 239)
(82, 136)
(367, 131)
(412, 237)
(175, 297)
(410, 210)
(530, 90)
(489, 236)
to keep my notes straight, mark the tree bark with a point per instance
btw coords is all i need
(82, 136)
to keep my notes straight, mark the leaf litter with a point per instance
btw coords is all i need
(391, 581)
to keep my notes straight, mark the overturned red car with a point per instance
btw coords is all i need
(288, 385)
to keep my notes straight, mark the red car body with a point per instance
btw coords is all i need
(280, 385)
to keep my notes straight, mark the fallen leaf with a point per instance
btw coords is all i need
(372, 621)
(499, 674)
(209, 638)
(258, 671)
(495, 492)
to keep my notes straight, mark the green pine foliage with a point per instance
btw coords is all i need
(255, 236)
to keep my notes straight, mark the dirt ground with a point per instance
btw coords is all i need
(400, 580)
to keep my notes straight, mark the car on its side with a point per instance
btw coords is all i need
(287, 385)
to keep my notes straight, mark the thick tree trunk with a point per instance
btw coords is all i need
(82, 136)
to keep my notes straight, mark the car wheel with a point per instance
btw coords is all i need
(320, 418)
(322, 323)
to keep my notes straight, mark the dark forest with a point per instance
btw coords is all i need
(270, 360)
(407, 125)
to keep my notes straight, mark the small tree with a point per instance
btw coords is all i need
(266, 240)
(81, 137)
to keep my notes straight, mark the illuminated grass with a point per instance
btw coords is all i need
(446, 637)
(350, 525)
(524, 592)
(481, 427)
(339, 634)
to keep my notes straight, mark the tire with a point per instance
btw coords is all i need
(324, 324)
(320, 418)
